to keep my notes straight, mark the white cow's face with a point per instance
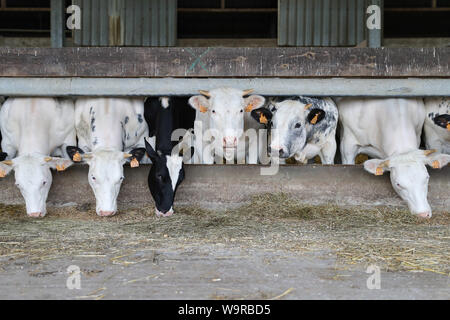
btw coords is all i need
(105, 177)
(34, 179)
(409, 176)
(290, 122)
(225, 108)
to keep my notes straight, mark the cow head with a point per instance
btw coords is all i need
(166, 174)
(34, 178)
(409, 176)
(290, 121)
(443, 121)
(105, 174)
(225, 108)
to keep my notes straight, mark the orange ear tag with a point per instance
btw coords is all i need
(314, 120)
(308, 106)
(263, 119)
(436, 164)
(76, 157)
(202, 109)
(249, 107)
(2, 173)
(448, 126)
(60, 167)
(134, 163)
(379, 171)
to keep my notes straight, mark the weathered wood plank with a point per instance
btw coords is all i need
(225, 62)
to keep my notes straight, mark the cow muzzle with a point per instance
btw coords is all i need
(282, 152)
(36, 214)
(164, 214)
(106, 213)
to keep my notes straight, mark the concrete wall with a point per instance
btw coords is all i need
(220, 186)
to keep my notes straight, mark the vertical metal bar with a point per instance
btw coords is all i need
(342, 22)
(317, 31)
(86, 22)
(282, 22)
(77, 33)
(375, 35)
(300, 21)
(95, 23)
(162, 23)
(291, 22)
(146, 13)
(309, 22)
(334, 22)
(57, 23)
(172, 22)
(129, 15)
(360, 21)
(326, 23)
(137, 34)
(155, 23)
(351, 23)
(104, 31)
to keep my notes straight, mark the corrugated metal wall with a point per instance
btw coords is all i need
(323, 22)
(127, 23)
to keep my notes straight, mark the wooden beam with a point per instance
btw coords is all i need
(224, 62)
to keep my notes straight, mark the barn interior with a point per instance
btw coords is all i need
(308, 232)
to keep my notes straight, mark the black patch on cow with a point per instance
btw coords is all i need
(71, 150)
(139, 118)
(442, 120)
(3, 156)
(95, 141)
(261, 113)
(92, 124)
(315, 115)
(91, 109)
(127, 118)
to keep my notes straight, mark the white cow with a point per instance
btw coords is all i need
(225, 114)
(302, 127)
(33, 129)
(437, 124)
(110, 132)
(390, 130)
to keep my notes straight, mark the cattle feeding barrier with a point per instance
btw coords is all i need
(125, 71)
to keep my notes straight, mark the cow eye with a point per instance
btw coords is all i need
(121, 178)
(242, 110)
(214, 111)
(400, 186)
(297, 125)
(44, 182)
(93, 178)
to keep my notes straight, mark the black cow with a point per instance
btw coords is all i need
(163, 116)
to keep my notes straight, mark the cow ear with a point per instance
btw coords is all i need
(3, 156)
(376, 166)
(262, 115)
(151, 152)
(443, 121)
(74, 153)
(315, 116)
(6, 167)
(253, 102)
(437, 160)
(136, 156)
(199, 103)
(59, 164)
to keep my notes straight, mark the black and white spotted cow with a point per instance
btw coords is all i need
(164, 116)
(110, 132)
(437, 124)
(302, 127)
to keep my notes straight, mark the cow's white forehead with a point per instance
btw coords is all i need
(288, 110)
(408, 158)
(174, 164)
(107, 155)
(226, 97)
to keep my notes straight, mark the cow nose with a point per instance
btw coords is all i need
(426, 214)
(35, 214)
(106, 213)
(230, 142)
(164, 214)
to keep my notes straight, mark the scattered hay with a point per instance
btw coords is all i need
(392, 238)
